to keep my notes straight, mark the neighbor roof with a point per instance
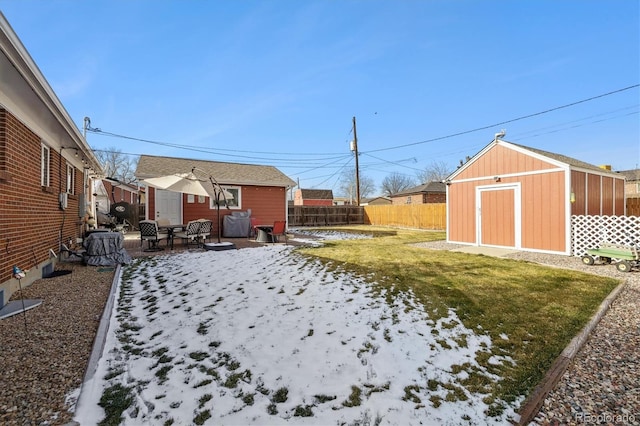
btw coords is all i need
(225, 173)
(316, 194)
(437, 187)
(631, 175)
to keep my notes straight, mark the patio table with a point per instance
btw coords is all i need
(171, 229)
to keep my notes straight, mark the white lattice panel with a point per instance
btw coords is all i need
(590, 231)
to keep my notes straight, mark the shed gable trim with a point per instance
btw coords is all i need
(537, 154)
(507, 175)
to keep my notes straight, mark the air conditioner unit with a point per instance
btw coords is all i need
(64, 200)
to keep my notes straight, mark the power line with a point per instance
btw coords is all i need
(337, 157)
(507, 121)
(218, 151)
(575, 126)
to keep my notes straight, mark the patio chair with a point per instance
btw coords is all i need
(279, 229)
(190, 234)
(149, 232)
(205, 229)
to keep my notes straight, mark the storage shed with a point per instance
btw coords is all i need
(513, 196)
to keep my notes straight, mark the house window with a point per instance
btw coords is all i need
(44, 165)
(70, 178)
(409, 199)
(233, 203)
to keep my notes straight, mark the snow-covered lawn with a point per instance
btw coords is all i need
(265, 336)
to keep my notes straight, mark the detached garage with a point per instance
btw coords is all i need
(513, 196)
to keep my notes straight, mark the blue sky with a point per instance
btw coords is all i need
(278, 82)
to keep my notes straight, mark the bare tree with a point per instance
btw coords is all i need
(436, 171)
(118, 165)
(396, 182)
(348, 185)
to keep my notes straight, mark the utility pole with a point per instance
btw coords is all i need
(354, 148)
(87, 124)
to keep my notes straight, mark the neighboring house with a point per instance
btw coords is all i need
(343, 201)
(313, 197)
(46, 169)
(513, 196)
(427, 193)
(261, 189)
(376, 201)
(109, 191)
(632, 186)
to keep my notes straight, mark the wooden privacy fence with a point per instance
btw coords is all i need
(633, 206)
(325, 215)
(420, 216)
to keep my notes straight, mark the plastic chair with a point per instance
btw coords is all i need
(279, 229)
(149, 232)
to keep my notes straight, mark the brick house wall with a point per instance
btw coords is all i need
(419, 198)
(435, 198)
(317, 203)
(30, 214)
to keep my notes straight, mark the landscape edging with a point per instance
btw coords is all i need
(532, 404)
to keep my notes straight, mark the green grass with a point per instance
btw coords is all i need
(354, 399)
(115, 400)
(539, 308)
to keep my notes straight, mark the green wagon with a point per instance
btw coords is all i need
(625, 257)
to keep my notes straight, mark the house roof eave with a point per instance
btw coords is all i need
(42, 98)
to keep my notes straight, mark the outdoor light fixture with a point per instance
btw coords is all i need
(572, 197)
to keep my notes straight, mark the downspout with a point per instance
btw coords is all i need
(64, 213)
(286, 206)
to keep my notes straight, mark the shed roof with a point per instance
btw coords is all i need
(316, 194)
(562, 158)
(381, 197)
(558, 158)
(225, 173)
(437, 187)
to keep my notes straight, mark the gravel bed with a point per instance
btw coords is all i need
(45, 362)
(602, 384)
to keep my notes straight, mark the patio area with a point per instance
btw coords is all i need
(132, 244)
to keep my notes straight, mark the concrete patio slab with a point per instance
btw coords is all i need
(487, 251)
